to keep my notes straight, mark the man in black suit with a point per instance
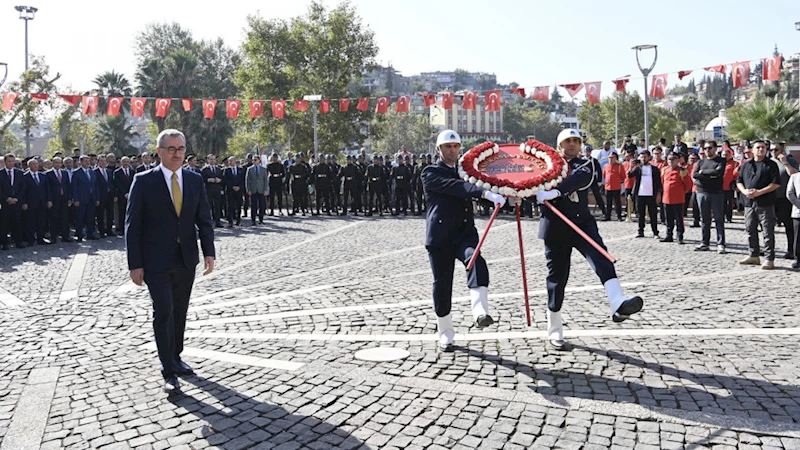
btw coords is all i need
(451, 235)
(146, 163)
(85, 198)
(123, 178)
(162, 249)
(233, 176)
(59, 202)
(212, 175)
(36, 195)
(12, 196)
(105, 192)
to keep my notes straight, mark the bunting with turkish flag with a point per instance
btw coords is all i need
(8, 100)
(256, 108)
(114, 104)
(209, 107)
(278, 107)
(89, 105)
(187, 104)
(470, 100)
(232, 108)
(137, 106)
(38, 97)
(324, 106)
(383, 105)
(344, 104)
(447, 100)
(719, 68)
(493, 100)
(683, 73)
(771, 68)
(593, 92)
(402, 103)
(363, 104)
(572, 89)
(301, 105)
(741, 74)
(659, 87)
(162, 106)
(428, 99)
(71, 99)
(518, 90)
(541, 93)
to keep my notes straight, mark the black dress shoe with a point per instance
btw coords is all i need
(558, 344)
(183, 368)
(484, 321)
(628, 307)
(171, 385)
(796, 264)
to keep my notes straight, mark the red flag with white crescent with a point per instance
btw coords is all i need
(363, 104)
(719, 68)
(741, 74)
(382, 106)
(187, 104)
(541, 93)
(162, 106)
(518, 90)
(114, 105)
(89, 105)
(8, 100)
(683, 73)
(301, 105)
(256, 108)
(137, 106)
(593, 92)
(324, 106)
(344, 104)
(659, 87)
(232, 108)
(209, 107)
(572, 89)
(71, 99)
(447, 100)
(493, 100)
(620, 84)
(470, 100)
(38, 97)
(428, 99)
(278, 107)
(402, 103)
(772, 68)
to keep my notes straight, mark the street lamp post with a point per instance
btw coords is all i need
(616, 114)
(315, 108)
(797, 27)
(26, 13)
(646, 72)
(5, 75)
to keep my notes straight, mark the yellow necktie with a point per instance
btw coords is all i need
(177, 195)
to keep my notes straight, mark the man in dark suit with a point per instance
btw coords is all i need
(123, 178)
(37, 196)
(105, 192)
(212, 175)
(85, 198)
(12, 196)
(451, 235)
(59, 202)
(162, 249)
(146, 163)
(233, 176)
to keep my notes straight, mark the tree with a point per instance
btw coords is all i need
(765, 118)
(114, 132)
(522, 121)
(394, 130)
(663, 124)
(692, 111)
(599, 120)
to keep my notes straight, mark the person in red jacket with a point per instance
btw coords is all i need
(613, 173)
(677, 182)
(630, 196)
(728, 180)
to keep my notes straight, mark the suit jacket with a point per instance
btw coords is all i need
(17, 190)
(636, 172)
(213, 172)
(105, 187)
(57, 188)
(573, 203)
(257, 179)
(153, 228)
(122, 183)
(230, 180)
(84, 188)
(449, 201)
(37, 194)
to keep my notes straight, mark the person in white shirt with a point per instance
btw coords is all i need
(648, 191)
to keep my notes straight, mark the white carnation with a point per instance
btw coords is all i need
(494, 189)
(472, 180)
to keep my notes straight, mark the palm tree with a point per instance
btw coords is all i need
(765, 118)
(170, 77)
(116, 133)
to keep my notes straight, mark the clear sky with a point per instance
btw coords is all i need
(531, 42)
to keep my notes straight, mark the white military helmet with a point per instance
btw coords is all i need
(566, 134)
(448, 137)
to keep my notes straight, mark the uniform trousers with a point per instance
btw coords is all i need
(400, 198)
(375, 191)
(351, 194)
(443, 261)
(323, 196)
(275, 195)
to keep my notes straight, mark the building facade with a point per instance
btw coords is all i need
(477, 123)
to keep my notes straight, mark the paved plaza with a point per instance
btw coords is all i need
(713, 360)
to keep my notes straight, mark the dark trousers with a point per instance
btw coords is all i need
(443, 261)
(375, 192)
(170, 291)
(648, 203)
(674, 218)
(58, 221)
(558, 254)
(299, 196)
(351, 194)
(104, 213)
(687, 203)
(712, 204)
(333, 195)
(84, 218)
(783, 212)
(215, 199)
(695, 210)
(420, 198)
(411, 198)
(613, 199)
(275, 196)
(234, 200)
(400, 199)
(122, 205)
(34, 219)
(11, 223)
(729, 204)
(765, 216)
(258, 205)
(796, 244)
(323, 197)
(598, 197)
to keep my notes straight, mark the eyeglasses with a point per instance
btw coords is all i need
(709, 148)
(174, 150)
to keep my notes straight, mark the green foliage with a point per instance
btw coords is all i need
(693, 112)
(765, 118)
(599, 120)
(663, 124)
(523, 121)
(242, 143)
(394, 131)
(114, 134)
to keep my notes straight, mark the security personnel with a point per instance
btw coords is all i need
(350, 174)
(411, 174)
(299, 175)
(309, 181)
(388, 187)
(277, 173)
(401, 175)
(361, 176)
(335, 181)
(417, 183)
(451, 234)
(375, 182)
(322, 185)
(571, 198)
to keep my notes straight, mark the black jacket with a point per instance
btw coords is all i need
(450, 220)
(636, 172)
(573, 202)
(709, 175)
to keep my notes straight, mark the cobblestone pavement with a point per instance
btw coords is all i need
(711, 362)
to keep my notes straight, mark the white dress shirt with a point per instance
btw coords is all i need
(168, 178)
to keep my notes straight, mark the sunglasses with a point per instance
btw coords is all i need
(709, 148)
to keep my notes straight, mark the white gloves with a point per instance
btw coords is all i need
(514, 201)
(497, 199)
(541, 196)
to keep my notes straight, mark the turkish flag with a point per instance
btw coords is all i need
(383, 105)
(232, 107)
(278, 107)
(344, 104)
(187, 104)
(593, 92)
(659, 86)
(89, 105)
(301, 105)
(428, 99)
(519, 90)
(541, 93)
(37, 97)
(470, 99)
(114, 104)
(771, 68)
(162, 106)
(402, 103)
(324, 106)
(683, 73)
(209, 107)
(71, 99)
(620, 84)
(8, 100)
(447, 100)
(137, 106)
(256, 108)
(718, 68)
(363, 104)
(493, 100)
(572, 89)
(741, 74)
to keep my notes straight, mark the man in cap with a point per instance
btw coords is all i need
(334, 179)
(451, 235)
(350, 172)
(401, 175)
(375, 182)
(571, 198)
(277, 173)
(321, 173)
(299, 174)
(417, 183)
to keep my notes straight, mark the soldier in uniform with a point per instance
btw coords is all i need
(401, 176)
(451, 234)
(417, 184)
(571, 198)
(375, 179)
(322, 185)
(334, 180)
(246, 201)
(388, 187)
(307, 196)
(348, 172)
(361, 174)
(277, 174)
(412, 167)
(299, 175)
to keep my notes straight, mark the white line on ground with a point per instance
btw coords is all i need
(9, 300)
(73, 281)
(234, 358)
(33, 408)
(260, 298)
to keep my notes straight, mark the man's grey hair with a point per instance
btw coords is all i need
(84, 157)
(169, 133)
(32, 161)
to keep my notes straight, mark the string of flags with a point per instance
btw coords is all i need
(492, 99)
